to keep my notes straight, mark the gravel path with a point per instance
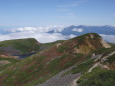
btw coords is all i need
(58, 80)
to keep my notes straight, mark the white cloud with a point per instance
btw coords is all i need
(40, 33)
(108, 38)
(38, 29)
(71, 36)
(77, 29)
(41, 36)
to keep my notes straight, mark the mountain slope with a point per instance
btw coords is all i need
(6, 59)
(84, 69)
(43, 65)
(19, 46)
(102, 73)
(23, 46)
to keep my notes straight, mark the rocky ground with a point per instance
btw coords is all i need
(58, 80)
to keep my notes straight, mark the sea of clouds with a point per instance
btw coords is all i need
(42, 34)
(46, 34)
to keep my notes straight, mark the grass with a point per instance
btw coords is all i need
(23, 45)
(81, 38)
(73, 60)
(98, 77)
(9, 59)
(83, 67)
(111, 59)
(62, 49)
(38, 73)
(12, 60)
(105, 51)
(48, 45)
(108, 50)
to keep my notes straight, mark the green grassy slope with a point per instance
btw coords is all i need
(22, 46)
(44, 46)
(98, 77)
(10, 60)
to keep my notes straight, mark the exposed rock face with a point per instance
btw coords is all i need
(58, 44)
(91, 35)
(101, 61)
(106, 57)
(90, 42)
(4, 62)
(104, 44)
(8, 56)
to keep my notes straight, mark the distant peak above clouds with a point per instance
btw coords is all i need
(53, 33)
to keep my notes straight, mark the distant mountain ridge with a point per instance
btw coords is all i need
(108, 30)
(56, 32)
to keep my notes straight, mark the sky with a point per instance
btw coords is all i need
(18, 13)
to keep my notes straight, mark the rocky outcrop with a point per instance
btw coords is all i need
(90, 42)
(104, 44)
(4, 62)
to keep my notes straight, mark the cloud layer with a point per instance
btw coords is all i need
(47, 34)
(38, 29)
(39, 33)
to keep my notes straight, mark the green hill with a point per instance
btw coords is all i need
(19, 46)
(23, 46)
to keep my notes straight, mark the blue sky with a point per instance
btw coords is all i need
(56, 12)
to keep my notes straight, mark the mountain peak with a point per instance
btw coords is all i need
(90, 41)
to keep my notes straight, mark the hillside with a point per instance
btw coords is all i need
(19, 46)
(9, 54)
(23, 46)
(63, 63)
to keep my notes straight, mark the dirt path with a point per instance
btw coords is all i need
(95, 65)
(74, 82)
(58, 80)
